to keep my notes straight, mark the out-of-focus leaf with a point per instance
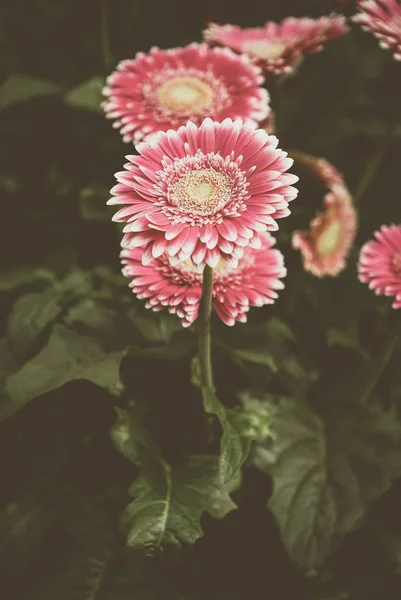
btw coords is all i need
(272, 344)
(169, 502)
(20, 277)
(87, 95)
(327, 473)
(31, 314)
(155, 328)
(92, 203)
(18, 88)
(66, 357)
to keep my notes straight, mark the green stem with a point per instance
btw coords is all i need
(374, 164)
(105, 34)
(205, 310)
(377, 372)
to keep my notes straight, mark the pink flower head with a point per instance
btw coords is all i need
(383, 19)
(380, 263)
(326, 245)
(164, 89)
(278, 47)
(203, 192)
(253, 282)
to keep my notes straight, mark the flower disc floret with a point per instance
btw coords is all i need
(164, 88)
(380, 263)
(203, 192)
(278, 47)
(254, 281)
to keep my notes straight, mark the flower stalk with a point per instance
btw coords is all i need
(204, 330)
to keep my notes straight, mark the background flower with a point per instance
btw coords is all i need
(326, 245)
(253, 282)
(383, 19)
(203, 192)
(278, 47)
(380, 263)
(161, 90)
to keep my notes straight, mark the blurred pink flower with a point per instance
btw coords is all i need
(161, 90)
(278, 47)
(326, 245)
(203, 192)
(253, 282)
(383, 19)
(380, 263)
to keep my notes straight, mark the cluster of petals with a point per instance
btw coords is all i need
(326, 245)
(383, 19)
(253, 282)
(279, 47)
(204, 193)
(380, 263)
(164, 89)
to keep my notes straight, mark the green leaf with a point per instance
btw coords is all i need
(169, 502)
(87, 95)
(19, 88)
(271, 344)
(66, 357)
(31, 314)
(21, 277)
(327, 473)
(132, 440)
(92, 203)
(240, 428)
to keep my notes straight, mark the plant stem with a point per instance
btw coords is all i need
(374, 164)
(105, 35)
(377, 372)
(205, 310)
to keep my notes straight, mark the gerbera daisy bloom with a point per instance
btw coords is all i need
(380, 263)
(164, 89)
(203, 192)
(383, 19)
(253, 282)
(278, 47)
(326, 245)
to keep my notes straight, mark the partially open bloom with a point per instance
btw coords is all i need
(380, 263)
(253, 282)
(326, 245)
(203, 192)
(164, 89)
(383, 19)
(278, 47)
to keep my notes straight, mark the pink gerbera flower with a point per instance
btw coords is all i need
(278, 47)
(253, 282)
(383, 19)
(380, 263)
(203, 192)
(326, 245)
(164, 89)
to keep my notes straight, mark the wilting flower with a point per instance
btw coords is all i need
(253, 282)
(383, 19)
(203, 192)
(164, 89)
(380, 263)
(326, 245)
(278, 47)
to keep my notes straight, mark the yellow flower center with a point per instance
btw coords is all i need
(184, 94)
(201, 192)
(330, 238)
(263, 49)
